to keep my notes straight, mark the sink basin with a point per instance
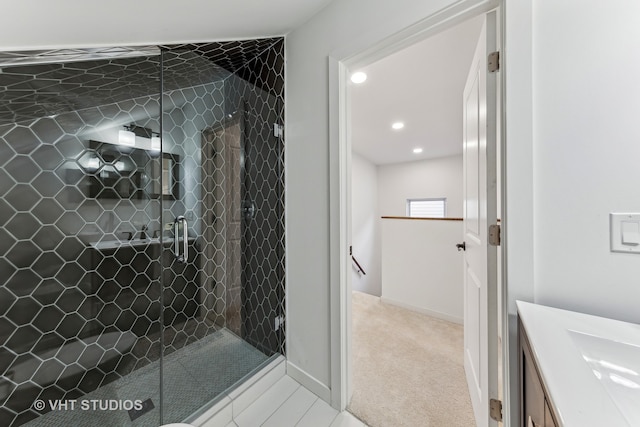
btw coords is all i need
(616, 365)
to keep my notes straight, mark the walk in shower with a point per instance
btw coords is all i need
(141, 229)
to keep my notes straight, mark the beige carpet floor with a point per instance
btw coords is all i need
(407, 368)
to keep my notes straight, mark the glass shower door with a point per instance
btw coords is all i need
(203, 350)
(80, 206)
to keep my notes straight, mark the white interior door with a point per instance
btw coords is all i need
(480, 268)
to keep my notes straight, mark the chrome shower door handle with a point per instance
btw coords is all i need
(185, 243)
(176, 239)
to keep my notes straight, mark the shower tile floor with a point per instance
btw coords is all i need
(193, 376)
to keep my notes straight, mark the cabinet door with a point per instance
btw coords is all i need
(532, 395)
(548, 418)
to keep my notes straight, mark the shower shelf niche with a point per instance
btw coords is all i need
(115, 244)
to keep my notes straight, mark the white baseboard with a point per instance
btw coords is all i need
(309, 382)
(432, 313)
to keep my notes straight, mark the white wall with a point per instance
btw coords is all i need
(517, 216)
(345, 27)
(435, 178)
(421, 267)
(384, 190)
(587, 151)
(571, 150)
(365, 226)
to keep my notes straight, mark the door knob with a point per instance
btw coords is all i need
(461, 246)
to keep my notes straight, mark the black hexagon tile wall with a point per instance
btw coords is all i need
(92, 296)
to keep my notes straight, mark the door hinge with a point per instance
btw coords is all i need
(494, 235)
(278, 130)
(493, 62)
(495, 409)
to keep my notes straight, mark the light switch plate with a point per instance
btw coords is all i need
(622, 232)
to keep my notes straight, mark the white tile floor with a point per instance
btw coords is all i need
(288, 404)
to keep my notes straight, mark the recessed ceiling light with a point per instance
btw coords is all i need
(417, 150)
(397, 125)
(358, 77)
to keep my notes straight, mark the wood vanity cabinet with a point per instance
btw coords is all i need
(535, 408)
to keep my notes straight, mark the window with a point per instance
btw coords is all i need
(426, 208)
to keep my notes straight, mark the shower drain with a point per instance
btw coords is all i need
(147, 405)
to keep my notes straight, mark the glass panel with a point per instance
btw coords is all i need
(79, 259)
(98, 313)
(222, 304)
(262, 205)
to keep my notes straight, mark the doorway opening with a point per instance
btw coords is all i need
(405, 133)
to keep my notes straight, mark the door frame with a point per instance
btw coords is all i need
(340, 62)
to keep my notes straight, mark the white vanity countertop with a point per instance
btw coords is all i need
(558, 341)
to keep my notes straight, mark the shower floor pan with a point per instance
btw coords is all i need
(192, 377)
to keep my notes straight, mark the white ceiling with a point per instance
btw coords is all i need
(29, 24)
(421, 86)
